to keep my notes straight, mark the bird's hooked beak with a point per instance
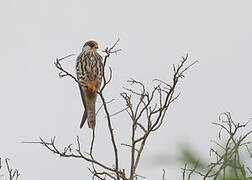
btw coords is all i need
(96, 46)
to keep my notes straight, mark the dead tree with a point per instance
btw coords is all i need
(146, 111)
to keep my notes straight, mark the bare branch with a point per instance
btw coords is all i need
(123, 144)
(110, 51)
(229, 156)
(124, 109)
(163, 177)
(102, 106)
(92, 144)
(63, 72)
(51, 146)
(13, 173)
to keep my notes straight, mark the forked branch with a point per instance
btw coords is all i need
(153, 104)
(13, 174)
(228, 162)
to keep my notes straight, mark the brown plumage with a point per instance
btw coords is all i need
(89, 69)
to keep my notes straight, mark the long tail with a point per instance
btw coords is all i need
(89, 99)
(91, 118)
(84, 117)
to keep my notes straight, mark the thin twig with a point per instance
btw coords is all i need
(63, 72)
(92, 142)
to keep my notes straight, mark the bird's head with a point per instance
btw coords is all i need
(90, 46)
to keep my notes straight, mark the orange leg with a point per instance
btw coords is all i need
(89, 86)
(93, 89)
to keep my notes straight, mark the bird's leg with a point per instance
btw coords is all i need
(93, 88)
(89, 86)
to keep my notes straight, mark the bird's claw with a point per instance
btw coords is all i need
(89, 86)
(93, 89)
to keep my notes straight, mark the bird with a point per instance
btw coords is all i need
(89, 70)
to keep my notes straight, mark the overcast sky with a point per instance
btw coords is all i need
(34, 102)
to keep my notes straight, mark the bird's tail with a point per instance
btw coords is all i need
(91, 118)
(89, 114)
(84, 117)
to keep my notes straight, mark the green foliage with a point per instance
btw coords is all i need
(232, 147)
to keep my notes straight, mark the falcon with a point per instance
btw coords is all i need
(89, 70)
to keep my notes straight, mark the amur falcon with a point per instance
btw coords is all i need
(89, 69)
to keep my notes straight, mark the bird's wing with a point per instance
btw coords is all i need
(81, 74)
(82, 97)
(84, 116)
(100, 68)
(80, 70)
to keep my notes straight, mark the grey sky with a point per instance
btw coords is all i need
(154, 35)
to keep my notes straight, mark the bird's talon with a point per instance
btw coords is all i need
(93, 88)
(89, 86)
